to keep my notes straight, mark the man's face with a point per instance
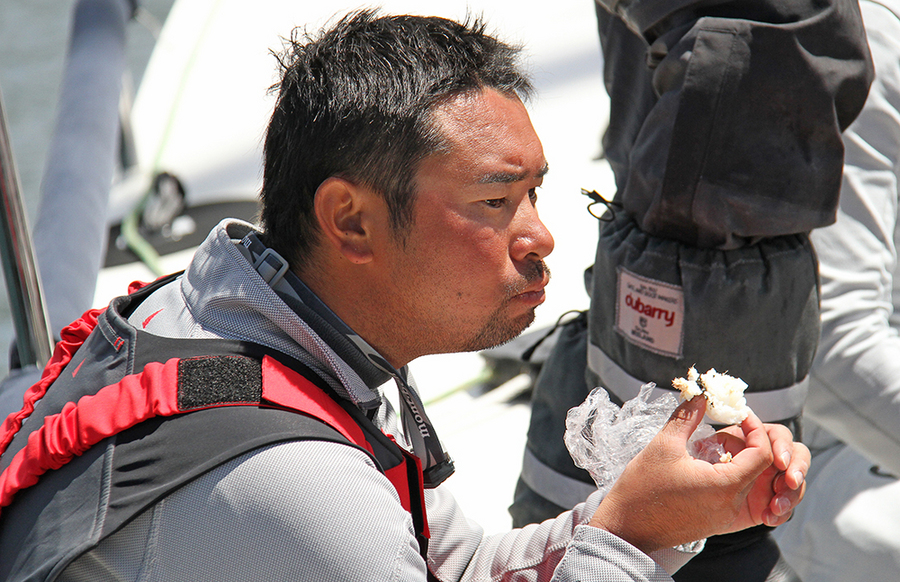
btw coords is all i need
(471, 271)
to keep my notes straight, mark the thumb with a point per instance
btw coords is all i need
(685, 419)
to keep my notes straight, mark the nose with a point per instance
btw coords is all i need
(531, 239)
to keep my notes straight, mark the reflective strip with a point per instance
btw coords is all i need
(552, 485)
(771, 406)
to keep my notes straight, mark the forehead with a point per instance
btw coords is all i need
(489, 131)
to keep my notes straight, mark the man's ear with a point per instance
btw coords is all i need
(340, 207)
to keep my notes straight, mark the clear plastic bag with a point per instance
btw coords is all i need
(602, 438)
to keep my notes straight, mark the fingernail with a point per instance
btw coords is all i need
(786, 458)
(770, 519)
(782, 505)
(798, 476)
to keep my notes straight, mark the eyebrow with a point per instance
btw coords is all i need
(511, 177)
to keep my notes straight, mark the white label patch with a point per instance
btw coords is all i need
(650, 313)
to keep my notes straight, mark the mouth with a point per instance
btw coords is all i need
(533, 298)
(534, 293)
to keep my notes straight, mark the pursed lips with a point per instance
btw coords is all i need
(537, 279)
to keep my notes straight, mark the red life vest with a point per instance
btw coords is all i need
(217, 376)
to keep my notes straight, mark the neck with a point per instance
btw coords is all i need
(355, 299)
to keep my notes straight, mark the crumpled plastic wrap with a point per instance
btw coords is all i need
(602, 438)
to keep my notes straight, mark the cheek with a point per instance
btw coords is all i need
(478, 279)
(461, 254)
(477, 241)
(476, 256)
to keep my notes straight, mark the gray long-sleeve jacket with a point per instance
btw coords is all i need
(315, 510)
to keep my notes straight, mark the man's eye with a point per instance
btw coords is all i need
(532, 195)
(496, 202)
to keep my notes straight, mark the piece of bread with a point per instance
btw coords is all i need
(725, 402)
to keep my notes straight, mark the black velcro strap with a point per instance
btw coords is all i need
(206, 381)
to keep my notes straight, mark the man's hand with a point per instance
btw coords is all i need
(782, 485)
(665, 497)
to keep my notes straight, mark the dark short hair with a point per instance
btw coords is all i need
(356, 101)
